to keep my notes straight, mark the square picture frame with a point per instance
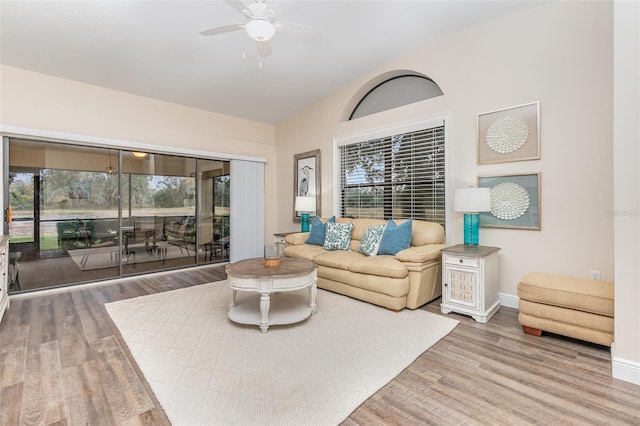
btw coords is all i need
(515, 201)
(306, 179)
(509, 134)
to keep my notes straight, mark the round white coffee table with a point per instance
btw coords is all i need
(251, 275)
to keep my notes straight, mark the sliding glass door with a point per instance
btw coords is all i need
(82, 214)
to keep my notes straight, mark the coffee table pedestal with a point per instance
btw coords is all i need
(272, 303)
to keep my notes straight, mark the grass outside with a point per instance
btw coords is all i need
(47, 242)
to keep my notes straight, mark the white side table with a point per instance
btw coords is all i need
(471, 281)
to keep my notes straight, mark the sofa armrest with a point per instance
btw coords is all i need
(296, 239)
(420, 254)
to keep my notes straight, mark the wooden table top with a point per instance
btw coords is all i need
(254, 268)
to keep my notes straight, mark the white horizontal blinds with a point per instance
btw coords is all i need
(395, 177)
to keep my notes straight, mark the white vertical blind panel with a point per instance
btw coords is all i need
(247, 210)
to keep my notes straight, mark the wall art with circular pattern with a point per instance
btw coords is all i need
(515, 201)
(511, 134)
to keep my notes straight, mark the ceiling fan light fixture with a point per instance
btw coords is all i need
(260, 30)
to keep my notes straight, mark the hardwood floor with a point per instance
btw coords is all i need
(62, 361)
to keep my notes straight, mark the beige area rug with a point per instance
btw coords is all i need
(107, 257)
(207, 370)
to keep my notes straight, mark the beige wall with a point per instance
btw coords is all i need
(559, 54)
(45, 103)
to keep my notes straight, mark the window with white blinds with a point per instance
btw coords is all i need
(395, 177)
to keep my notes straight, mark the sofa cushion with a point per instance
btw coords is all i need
(395, 237)
(360, 226)
(394, 287)
(318, 231)
(370, 242)
(305, 251)
(337, 259)
(383, 266)
(425, 233)
(338, 236)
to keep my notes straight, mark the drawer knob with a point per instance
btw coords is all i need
(460, 260)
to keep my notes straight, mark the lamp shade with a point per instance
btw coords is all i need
(260, 30)
(305, 204)
(472, 200)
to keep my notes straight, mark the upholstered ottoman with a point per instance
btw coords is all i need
(570, 306)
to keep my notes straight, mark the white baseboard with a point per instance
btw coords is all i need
(623, 369)
(509, 300)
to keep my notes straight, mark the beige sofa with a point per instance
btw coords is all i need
(409, 279)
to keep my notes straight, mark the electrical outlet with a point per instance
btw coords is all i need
(595, 275)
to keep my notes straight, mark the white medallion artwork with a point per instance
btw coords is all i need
(507, 134)
(509, 201)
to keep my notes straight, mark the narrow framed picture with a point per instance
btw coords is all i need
(510, 134)
(306, 179)
(515, 201)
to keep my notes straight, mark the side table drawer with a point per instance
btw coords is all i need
(471, 262)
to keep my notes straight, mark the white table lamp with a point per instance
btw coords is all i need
(305, 205)
(472, 201)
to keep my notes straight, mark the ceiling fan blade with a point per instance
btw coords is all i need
(264, 48)
(239, 6)
(222, 30)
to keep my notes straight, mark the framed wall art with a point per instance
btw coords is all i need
(511, 134)
(306, 179)
(515, 201)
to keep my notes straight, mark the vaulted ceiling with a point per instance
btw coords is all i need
(155, 49)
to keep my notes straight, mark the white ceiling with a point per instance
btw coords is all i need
(154, 48)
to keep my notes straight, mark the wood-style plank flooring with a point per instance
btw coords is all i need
(62, 361)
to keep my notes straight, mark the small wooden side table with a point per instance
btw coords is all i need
(471, 281)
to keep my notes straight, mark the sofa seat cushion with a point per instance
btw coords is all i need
(394, 287)
(337, 259)
(568, 292)
(305, 251)
(381, 265)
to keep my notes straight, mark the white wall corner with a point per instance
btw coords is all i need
(509, 300)
(623, 369)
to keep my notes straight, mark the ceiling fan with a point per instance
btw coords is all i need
(261, 24)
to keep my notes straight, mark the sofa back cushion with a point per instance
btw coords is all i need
(360, 225)
(423, 232)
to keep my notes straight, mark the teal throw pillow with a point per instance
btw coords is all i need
(318, 230)
(338, 236)
(395, 237)
(370, 242)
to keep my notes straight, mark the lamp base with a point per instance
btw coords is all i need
(471, 229)
(304, 222)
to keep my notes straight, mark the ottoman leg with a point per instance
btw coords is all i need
(532, 331)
